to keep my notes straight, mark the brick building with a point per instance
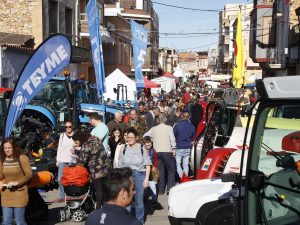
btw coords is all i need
(142, 12)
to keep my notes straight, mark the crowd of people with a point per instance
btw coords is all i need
(143, 152)
(149, 142)
(153, 139)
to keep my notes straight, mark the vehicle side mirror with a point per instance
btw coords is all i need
(257, 180)
(230, 177)
(221, 140)
(115, 90)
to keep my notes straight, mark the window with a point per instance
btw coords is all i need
(68, 21)
(275, 150)
(53, 17)
(266, 29)
(128, 4)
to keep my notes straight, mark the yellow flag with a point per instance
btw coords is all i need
(244, 70)
(238, 66)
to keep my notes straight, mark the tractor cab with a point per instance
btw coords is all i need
(260, 184)
(269, 191)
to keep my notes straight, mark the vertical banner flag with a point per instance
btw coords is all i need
(238, 66)
(245, 76)
(49, 59)
(92, 12)
(139, 45)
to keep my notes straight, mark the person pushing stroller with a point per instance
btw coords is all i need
(94, 157)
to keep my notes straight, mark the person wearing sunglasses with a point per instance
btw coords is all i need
(64, 155)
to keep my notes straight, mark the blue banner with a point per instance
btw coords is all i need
(92, 12)
(49, 59)
(139, 45)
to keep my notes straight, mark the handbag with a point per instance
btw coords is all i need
(154, 173)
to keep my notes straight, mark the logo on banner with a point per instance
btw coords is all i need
(141, 58)
(96, 52)
(139, 44)
(20, 100)
(36, 78)
(140, 35)
(48, 59)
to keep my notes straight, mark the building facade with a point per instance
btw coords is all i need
(142, 12)
(225, 45)
(274, 38)
(227, 35)
(168, 59)
(43, 18)
(212, 61)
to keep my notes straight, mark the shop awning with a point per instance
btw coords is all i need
(150, 84)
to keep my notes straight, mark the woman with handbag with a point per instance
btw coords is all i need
(15, 172)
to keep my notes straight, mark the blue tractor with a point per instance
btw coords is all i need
(43, 119)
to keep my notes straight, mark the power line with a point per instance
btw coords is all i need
(187, 33)
(192, 36)
(204, 10)
(199, 46)
(192, 9)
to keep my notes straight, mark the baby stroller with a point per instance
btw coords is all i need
(78, 199)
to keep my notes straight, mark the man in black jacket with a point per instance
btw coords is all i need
(119, 190)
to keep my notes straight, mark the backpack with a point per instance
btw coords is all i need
(142, 150)
(75, 175)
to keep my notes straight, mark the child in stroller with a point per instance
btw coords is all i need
(78, 199)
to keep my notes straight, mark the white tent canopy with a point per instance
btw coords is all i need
(167, 84)
(112, 81)
(179, 72)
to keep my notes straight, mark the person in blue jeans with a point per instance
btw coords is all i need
(184, 132)
(135, 156)
(64, 156)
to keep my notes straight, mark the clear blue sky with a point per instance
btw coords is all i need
(175, 20)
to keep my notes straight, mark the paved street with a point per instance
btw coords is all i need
(158, 217)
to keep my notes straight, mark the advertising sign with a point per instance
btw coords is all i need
(49, 59)
(92, 12)
(139, 44)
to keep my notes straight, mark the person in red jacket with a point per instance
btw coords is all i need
(186, 96)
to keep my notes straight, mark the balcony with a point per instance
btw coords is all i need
(110, 1)
(276, 58)
(84, 30)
